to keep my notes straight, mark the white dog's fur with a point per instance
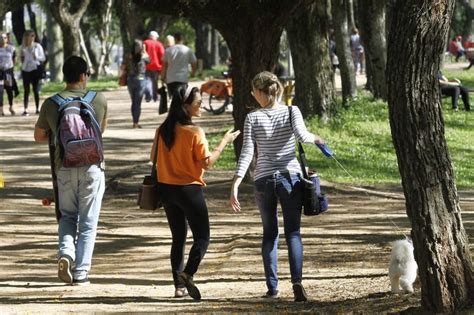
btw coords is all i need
(403, 267)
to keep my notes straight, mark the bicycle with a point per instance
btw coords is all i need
(218, 90)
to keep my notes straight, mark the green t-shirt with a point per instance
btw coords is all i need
(48, 116)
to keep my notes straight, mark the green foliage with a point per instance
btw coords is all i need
(101, 84)
(361, 140)
(183, 26)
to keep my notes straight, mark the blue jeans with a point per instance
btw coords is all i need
(80, 197)
(288, 189)
(137, 88)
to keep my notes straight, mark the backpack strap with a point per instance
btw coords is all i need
(58, 99)
(89, 97)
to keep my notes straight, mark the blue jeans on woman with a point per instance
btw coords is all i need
(137, 88)
(80, 197)
(288, 189)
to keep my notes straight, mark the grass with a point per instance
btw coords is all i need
(101, 84)
(361, 140)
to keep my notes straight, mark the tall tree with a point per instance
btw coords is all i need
(372, 24)
(18, 24)
(202, 43)
(416, 42)
(346, 65)
(55, 48)
(68, 14)
(252, 29)
(308, 35)
(128, 23)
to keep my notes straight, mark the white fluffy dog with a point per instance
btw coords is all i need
(403, 267)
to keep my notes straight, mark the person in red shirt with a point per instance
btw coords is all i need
(156, 51)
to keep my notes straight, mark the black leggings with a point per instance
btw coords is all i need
(186, 205)
(32, 78)
(9, 91)
(7, 88)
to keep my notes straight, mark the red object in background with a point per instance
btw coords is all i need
(468, 44)
(47, 201)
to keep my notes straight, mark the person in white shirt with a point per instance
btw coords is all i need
(32, 56)
(7, 53)
(175, 65)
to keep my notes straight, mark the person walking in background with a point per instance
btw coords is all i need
(183, 155)
(7, 53)
(32, 55)
(9, 42)
(270, 132)
(155, 51)
(137, 81)
(169, 41)
(454, 88)
(357, 51)
(80, 189)
(176, 62)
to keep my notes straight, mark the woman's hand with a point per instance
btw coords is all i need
(234, 202)
(230, 136)
(318, 140)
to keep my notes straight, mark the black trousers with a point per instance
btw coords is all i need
(173, 87)
(454, 92)
(186, 205)
(32, 78)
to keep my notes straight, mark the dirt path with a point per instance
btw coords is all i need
(346, 250)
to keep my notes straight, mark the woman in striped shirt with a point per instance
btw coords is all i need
(277, 177)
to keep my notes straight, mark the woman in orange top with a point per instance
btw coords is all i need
(183, 155)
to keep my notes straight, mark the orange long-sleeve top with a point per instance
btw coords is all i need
(181, 165)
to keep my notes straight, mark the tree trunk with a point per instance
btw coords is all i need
(350, 14)
(69, 20)
(55, 48)
(202, 43)
(372, 17)
(32, 17)
(308, 33)
(346, 64)
(128, 24)
(215, 47)
(18, 24)
(415, 46)
(106, 18)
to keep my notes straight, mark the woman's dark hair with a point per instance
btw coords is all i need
(177, 114)
(137, 49)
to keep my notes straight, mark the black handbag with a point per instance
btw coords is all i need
(148, 193)
(314, 202)
(163, 107)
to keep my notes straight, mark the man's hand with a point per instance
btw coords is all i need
(40, 135)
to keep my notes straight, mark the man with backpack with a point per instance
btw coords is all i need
(74, 120)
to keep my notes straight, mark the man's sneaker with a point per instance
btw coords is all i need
(180, 292)
(299, 292)
(80, 282)
(271, 294)
(192, 289)
(64, 269)
(25, 113)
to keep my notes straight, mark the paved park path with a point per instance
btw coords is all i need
(346, 250)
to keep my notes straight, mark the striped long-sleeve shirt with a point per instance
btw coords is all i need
(270, 130)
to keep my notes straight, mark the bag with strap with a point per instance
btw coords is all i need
(314, 202)
(148, 194)
(78, 133)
